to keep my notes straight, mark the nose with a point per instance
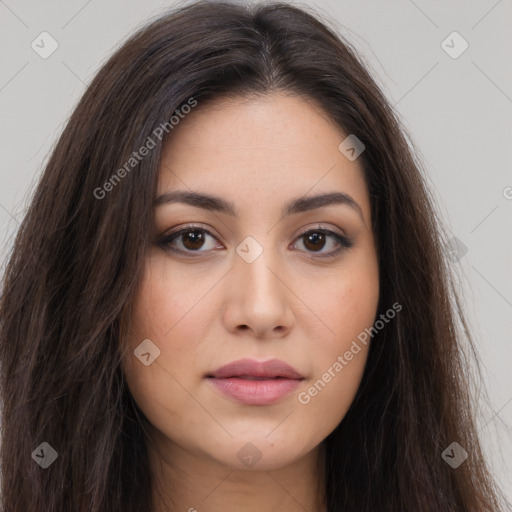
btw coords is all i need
(258, 298)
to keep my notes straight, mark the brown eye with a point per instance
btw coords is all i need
(189, 240)
(192, 240)
(316, 240)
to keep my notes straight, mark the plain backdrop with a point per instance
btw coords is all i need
(456, 106)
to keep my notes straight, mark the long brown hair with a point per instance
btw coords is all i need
(77, 259)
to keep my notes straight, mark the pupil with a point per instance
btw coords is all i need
(196, 238)
(315, 238)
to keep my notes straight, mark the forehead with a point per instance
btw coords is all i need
(263, 150)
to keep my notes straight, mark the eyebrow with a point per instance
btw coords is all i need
(217, 204)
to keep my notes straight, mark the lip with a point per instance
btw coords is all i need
(254, 382)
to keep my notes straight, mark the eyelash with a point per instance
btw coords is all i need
(343, 241)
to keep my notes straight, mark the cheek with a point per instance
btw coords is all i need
(347, 306)
(168, 303)
(166, 312)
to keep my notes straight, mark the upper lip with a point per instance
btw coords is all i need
(252, 368)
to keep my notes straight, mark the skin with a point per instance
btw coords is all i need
(203, 312)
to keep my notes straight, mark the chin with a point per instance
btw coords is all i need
(260, 452)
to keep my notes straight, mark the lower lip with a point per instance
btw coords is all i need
(255, 392)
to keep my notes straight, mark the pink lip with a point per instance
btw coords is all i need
(256, 383)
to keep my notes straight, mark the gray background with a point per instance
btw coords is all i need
(457, 112)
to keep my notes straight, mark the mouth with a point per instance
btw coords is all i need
(251, 382)
(253, 370)
(248, 377)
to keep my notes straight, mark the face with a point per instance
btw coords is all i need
(258, 283)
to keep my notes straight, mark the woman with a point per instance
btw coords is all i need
(229, 292)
